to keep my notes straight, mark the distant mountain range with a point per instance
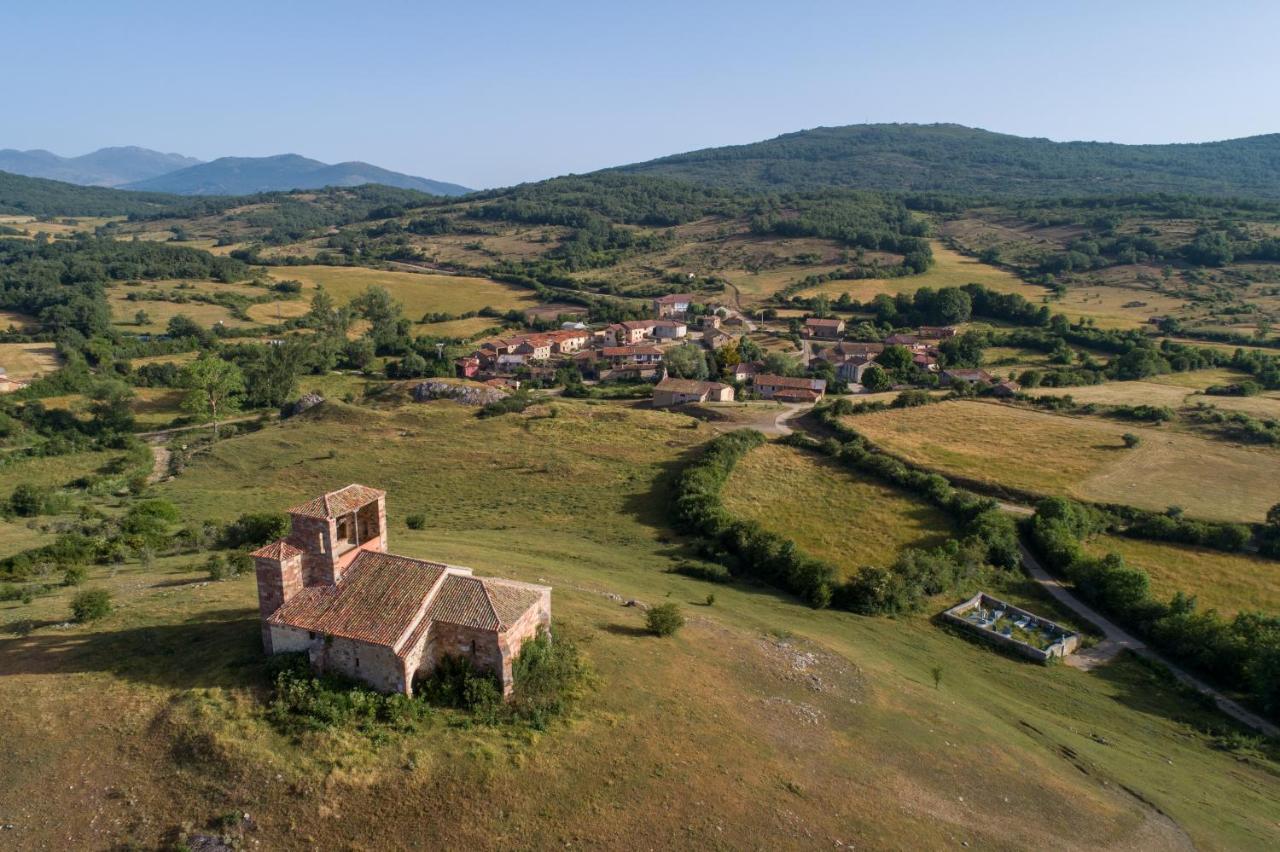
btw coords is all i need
(951, 158)
(104, 167)
(247, 175)
(145, 170)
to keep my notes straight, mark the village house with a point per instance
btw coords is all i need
(744, 371)
(1006, 389)
(910, 341)
(966, 377)
(631, 332)
(674, 305)
(668, 330)
(711, 321)
(466, 367)
(535, 347)
(569, 341)
(927, 360)
(618, 355)
(332, 591)
(716, 339)
(824, 329)
(789, 388)
(936, 332)
(669, 392)
(853, 368)
(848, 347)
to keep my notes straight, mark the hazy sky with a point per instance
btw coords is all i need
(492, 93)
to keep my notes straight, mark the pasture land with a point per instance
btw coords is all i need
(20, 321)
(464, 328)
(419, 293)
(763, 722)
(270, 313)
(832, 514)
(28, 360)
(1177, 390)
(1005, 446)
(1227, 582)
(124, 311)
(950, 269)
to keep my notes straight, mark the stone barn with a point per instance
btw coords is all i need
(331, 589)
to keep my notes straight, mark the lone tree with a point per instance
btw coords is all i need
(212, 386)
(936, 672)
(1130, 440)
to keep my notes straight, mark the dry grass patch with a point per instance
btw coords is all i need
(28, 360)
(464, 328)
(1227, 582)
(420, 293)
(123, 312)
(1002, 445)
(278, 311)
(950, 269)
(829, 512)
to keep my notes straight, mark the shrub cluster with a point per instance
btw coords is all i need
(1241, 654)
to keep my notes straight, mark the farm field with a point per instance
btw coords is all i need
(1004, 446)
(28, 360)
(465, 328)
(123, 312)
(1174, 391)
(832, 514)
(761, 718)
(420, 293)
(1227, 582)
(950, 269)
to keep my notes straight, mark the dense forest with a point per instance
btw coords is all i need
(955, 159)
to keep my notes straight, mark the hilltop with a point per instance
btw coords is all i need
(955, 159)
(247, 175)
(104, 167)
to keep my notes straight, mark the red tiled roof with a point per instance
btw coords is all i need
(797, 395)
(824, 323)
(377, 600)
(623, 351)
(482, 603)
(674, 298)
(279, 550)
(344, 501)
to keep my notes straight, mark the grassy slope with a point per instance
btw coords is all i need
(844, 520)
(1082, 457)
(724, 736)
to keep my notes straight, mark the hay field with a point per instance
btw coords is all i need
(950, 269)
(1174, 391)
(1227, 582)
(270, 313)
(762, 723)
(1001, 445)
(419, 293)
(832, 514)
(28, 360)
(17, 320)
(465, 328)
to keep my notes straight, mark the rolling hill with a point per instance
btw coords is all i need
(28, 196)
(955, 159)
(248, 175)
(104, 167)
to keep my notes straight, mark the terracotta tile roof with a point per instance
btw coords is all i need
(797, 395)
(344, 501)
(279, 550)
(624, 351)
(674, 298)
(378, 599)
(482, 603)
(818, 322)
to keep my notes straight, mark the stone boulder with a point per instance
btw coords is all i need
(465, 394)
(301, 404)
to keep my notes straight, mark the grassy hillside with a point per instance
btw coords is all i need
(41, 197)
(963, 160)
(762, 723)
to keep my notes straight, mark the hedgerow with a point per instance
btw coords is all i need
(1241, 653)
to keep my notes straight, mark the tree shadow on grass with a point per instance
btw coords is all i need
(222, 648)
(630, 630)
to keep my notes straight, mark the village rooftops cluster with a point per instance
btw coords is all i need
(331, 590)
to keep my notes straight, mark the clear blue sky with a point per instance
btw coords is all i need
(492, 93)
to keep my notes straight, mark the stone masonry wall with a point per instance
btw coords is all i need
(376, 665)
(277, 582)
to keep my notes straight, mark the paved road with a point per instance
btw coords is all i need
(1116, 639)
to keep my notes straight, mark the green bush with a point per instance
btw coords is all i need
(415, 521)
(547, 678)
(664, 619)
(239, 563)
(301, 701)
(255, 529)
(90, 605)
(216, 566)
(75, 575)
